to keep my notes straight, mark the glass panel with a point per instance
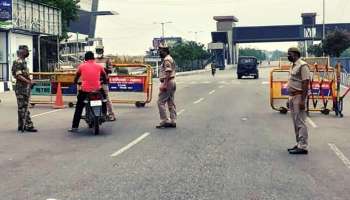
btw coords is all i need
(21, 15)
(42, 19)
(28, 15)
(3, 47)
(36, 22)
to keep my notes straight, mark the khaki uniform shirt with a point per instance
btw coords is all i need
(168, 64)
(299, 72)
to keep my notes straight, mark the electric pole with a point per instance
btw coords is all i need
(163, 24)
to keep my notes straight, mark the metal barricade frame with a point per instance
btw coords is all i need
(116, 80)
(323, 87)
(41, 94)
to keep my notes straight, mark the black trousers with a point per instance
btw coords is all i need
(79, 107)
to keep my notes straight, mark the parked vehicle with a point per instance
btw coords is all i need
(247, 66)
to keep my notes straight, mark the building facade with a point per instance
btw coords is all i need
(24, 22)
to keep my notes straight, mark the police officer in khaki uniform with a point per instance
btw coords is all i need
(167, 89)
(298, 87)
(107, 65)
(23, 85)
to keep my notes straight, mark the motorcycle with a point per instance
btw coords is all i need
(95, 111)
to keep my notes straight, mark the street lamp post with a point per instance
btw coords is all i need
(163, 24)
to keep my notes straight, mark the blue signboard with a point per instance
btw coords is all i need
(42, 88)
(268, 34)
(126, 84)
(123, 87)
(5, 14)
(5, 10)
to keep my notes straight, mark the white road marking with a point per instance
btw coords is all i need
(211, 92)
(340, 155)
(193, 82)
(206, 82)
(45, 113)
(221, 86)
(131, 144)
(265, 83)
(312, 123)
(181, 111)
(198, 101)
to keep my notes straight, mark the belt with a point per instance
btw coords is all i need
(294, 93)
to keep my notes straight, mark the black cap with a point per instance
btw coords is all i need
(25, 47)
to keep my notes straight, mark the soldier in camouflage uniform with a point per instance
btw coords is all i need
(22, 89)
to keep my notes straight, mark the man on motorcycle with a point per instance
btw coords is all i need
(90, 74)
(213, 68)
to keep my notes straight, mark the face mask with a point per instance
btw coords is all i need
(290, 58)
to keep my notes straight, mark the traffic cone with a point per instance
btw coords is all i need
(59, 98)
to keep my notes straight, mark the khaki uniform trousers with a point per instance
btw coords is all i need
(299, 121)
(109, 102)
(167, 97)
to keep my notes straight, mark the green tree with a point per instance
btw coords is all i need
(277, 54)
(69, 10)
(346, 53)
(316, 50)
(189, 55)
(259, 54)
(336, 43)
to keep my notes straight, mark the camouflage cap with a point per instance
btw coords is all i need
(294, 49)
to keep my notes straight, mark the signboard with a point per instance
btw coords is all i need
(153, 59)
(326, 90)
(217, 45)
(126, 83)
(42, 88)
(284, 89)
(315, 91)
(5, 14)
(169, 41)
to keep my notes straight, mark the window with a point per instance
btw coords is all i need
(3, 56)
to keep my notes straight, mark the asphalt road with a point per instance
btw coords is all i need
(229, 144)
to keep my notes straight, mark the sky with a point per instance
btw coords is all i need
(131, 32)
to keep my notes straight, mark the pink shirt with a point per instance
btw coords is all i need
(90, 74)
